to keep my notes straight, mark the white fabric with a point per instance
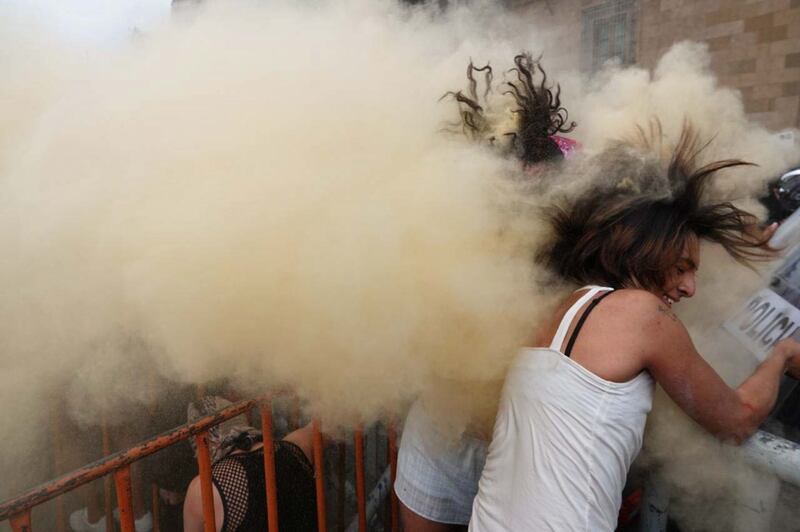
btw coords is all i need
(437, 478)
(563, 442)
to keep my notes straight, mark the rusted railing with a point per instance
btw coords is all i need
(269, 463)
(18, 510)
(319, 475)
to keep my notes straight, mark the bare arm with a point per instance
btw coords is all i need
(760, 390)
(193, 508)
(729, 414)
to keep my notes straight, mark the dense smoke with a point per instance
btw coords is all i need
(221, 199)
(261, 192)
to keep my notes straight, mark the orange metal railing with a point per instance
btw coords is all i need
(269, 464)
(19, 509)
(319, 474)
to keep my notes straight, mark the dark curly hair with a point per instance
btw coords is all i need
(538, 109)
(540, 113)
(628, 238)
(473, 119)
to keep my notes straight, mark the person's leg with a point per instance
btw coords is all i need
(95, 505)
(436, 478)
(411, 522)
(91, 517)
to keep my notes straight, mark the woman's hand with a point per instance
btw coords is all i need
(768, 231)
(790, 350)
(793, 367)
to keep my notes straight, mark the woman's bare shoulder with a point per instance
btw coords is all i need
(641, 310)
(637, 304)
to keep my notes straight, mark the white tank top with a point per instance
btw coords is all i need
(563, 442)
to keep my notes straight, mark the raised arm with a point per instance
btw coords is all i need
(728, 413)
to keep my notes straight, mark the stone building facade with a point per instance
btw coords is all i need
(754, 44)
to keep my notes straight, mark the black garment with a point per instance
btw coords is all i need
(240, 481)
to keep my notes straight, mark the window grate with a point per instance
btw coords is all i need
(609, 33)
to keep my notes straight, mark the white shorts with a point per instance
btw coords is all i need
(437, 479)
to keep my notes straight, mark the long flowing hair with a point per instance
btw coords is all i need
(472, 113)
(624, 237)
(540, 114)
(537, 116)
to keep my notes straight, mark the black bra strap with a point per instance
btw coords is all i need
(585, 315)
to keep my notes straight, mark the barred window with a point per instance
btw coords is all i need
(609, 32)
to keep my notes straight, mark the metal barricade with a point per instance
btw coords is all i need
(18, 511)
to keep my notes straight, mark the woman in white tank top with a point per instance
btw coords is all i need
(572, 414)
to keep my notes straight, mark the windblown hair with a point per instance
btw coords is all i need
(625, 238)
(474, 123)
(538, 113)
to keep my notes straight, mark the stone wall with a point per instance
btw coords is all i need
(755, 47)
(754, 44)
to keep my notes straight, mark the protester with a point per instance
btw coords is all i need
(573, 409)
(437, 478)
(238, 480)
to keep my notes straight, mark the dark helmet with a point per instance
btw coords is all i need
(784, 195)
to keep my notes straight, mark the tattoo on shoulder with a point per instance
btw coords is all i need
(667, 312)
